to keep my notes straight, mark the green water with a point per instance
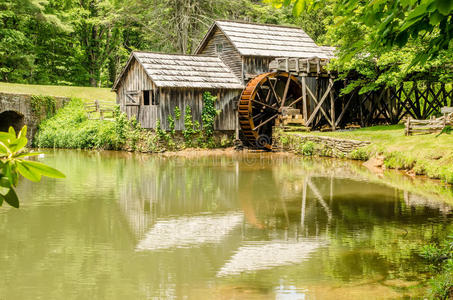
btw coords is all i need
(125, 226)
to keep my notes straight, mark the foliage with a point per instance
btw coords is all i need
(359, 154)
(48, 103)
(208, 115)
(191, 128)
(440, 259)
(86, 42)
(71, 128)
(308, 148)
(177, 113)
(161, 134)
(385, 42)
(13, 164)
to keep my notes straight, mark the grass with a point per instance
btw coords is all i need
(422, 154)
(86, 93)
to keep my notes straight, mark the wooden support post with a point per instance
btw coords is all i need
(408, 126)
(304, 98)
(332, 103)
(236, 129)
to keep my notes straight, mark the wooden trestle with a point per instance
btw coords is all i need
(324, 105)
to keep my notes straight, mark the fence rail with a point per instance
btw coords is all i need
(98, 109)
(432, 125)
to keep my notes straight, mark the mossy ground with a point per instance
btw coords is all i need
(427, 154)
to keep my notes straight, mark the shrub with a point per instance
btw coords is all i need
(359, 154)
(308, 148)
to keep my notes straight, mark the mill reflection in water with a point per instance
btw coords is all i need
(228, 226)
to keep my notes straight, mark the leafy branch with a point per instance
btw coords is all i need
(13, 163)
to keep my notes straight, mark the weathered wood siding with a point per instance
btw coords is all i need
(254, 65)
(136, 79)
(172, 98)
(230, 56)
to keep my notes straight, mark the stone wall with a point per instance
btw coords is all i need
(322, 145)
(20, 105)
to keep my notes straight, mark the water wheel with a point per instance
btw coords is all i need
(261, 104)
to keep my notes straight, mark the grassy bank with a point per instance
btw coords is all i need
(70, 128)
(88, 93)
(421, 154)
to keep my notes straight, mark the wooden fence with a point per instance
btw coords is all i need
(431, 125)
(98, 109)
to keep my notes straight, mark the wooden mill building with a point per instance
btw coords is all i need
(151, 85)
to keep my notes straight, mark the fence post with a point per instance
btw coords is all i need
(408, 126)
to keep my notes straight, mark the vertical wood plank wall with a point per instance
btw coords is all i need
(170, 98)
(136, 79)
(230, 56)
(254, 65)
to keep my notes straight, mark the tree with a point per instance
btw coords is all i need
(13, 164)
(392, 23)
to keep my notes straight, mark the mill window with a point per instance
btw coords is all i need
(146, 97)
(219, 47)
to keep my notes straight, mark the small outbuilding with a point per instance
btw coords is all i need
(151, 85)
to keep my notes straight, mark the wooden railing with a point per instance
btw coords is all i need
(432, 125)
(98, 109)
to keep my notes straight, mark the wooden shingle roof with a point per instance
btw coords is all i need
(185, 71)
(266, 40)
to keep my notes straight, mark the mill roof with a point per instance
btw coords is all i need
(266, 40)
(184, 71)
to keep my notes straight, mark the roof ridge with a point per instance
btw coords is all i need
(172, 54)
(259, 24)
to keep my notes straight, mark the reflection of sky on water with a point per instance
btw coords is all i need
(124, 226)
(290, 293)
(261, 256)
(189, 231)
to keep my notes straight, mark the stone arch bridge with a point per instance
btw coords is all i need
(16, 110)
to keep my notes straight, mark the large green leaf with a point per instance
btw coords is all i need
(19, 144)
(445, 7)
(11, 131)
(22, 132)
(5, 137)
(27, 154)
(11, 198)
(43, 169)
(27, 173)
(1, 199)
(4, 149)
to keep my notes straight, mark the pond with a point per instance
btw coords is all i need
(243, 226)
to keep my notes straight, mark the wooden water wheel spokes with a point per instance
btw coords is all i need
(261, 104)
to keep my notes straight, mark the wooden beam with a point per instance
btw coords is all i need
(304, 98)
(264, 104)
(315, 111)
(274, 92)
(322, 109)
(332, 105)
(285, 93)
(265, 122)
(344, 109)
